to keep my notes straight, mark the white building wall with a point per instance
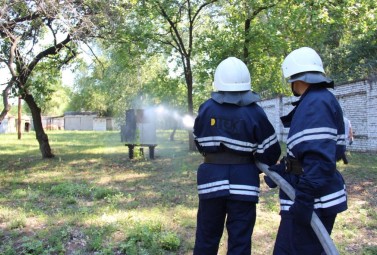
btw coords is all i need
(99, 124)
(87, 122)
(72, 123)
(372, 115)
(78, 122)
(354, 101)
(8, 125)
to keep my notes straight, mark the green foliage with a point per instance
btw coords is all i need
(45, 85)
(97, 237)
(339, 32)
(122, 86)
(140, 63)
(35, 58)
(150, 238)
(70, 190)
(88, 95)
(370, 250)
(7, 249)
(32, 247)
(169, 241)
(17, 222)
(102, 193)
(138, 74)
(353, 61)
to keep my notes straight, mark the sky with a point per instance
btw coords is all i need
(68, 77)
(4, 77)
(67, 80)
(67, 74)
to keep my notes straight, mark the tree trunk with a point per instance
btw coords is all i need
(6, 104)
(44, 145)
(172, 134)
(247, 41)
(190, 105)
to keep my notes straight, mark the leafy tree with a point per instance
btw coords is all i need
(124, 82)
(45, 84)
(196, 35)
(174, 27)
(341, 31)
(109, 86)
(354, 55)
(355, 60)
(88, 94)
(23, 27)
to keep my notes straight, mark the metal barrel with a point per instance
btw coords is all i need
(320, 230)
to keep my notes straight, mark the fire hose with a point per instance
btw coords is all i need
(320, 230)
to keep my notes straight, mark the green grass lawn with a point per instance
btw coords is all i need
(92, 199)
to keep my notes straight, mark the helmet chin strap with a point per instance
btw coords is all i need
(293, 91)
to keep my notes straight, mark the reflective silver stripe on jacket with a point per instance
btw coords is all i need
(244, 190)
(237, 144)
(213, 187)
(327, 201)
(314, 134)
(236, 189)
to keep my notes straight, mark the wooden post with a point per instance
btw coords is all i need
(19, 118)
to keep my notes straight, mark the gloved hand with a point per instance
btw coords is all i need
(270, 183)
(302, 208)
(278, 168)
(350, 141)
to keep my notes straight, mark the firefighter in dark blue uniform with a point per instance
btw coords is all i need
(231, 131)
(315, 142)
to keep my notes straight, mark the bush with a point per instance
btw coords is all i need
(149, 238)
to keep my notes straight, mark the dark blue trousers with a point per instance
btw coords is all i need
(297, 239)
(240, 220)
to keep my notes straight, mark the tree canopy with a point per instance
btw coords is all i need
(40, 35)
(261, 33)
(149, 52)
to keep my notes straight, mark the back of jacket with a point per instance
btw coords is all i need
(243, 130)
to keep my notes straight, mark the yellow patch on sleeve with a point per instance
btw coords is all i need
(213, 121)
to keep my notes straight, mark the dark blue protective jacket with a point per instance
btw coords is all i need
(244, 130)
(316, 138)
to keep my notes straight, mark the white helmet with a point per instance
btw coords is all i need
(302, 60)
(232, 75)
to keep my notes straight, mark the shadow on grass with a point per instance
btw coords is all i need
(92, 199)
(65, 204)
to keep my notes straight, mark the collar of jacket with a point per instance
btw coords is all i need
(287, 119)
(240, 98)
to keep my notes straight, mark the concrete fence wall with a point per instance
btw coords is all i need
(359, 102)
